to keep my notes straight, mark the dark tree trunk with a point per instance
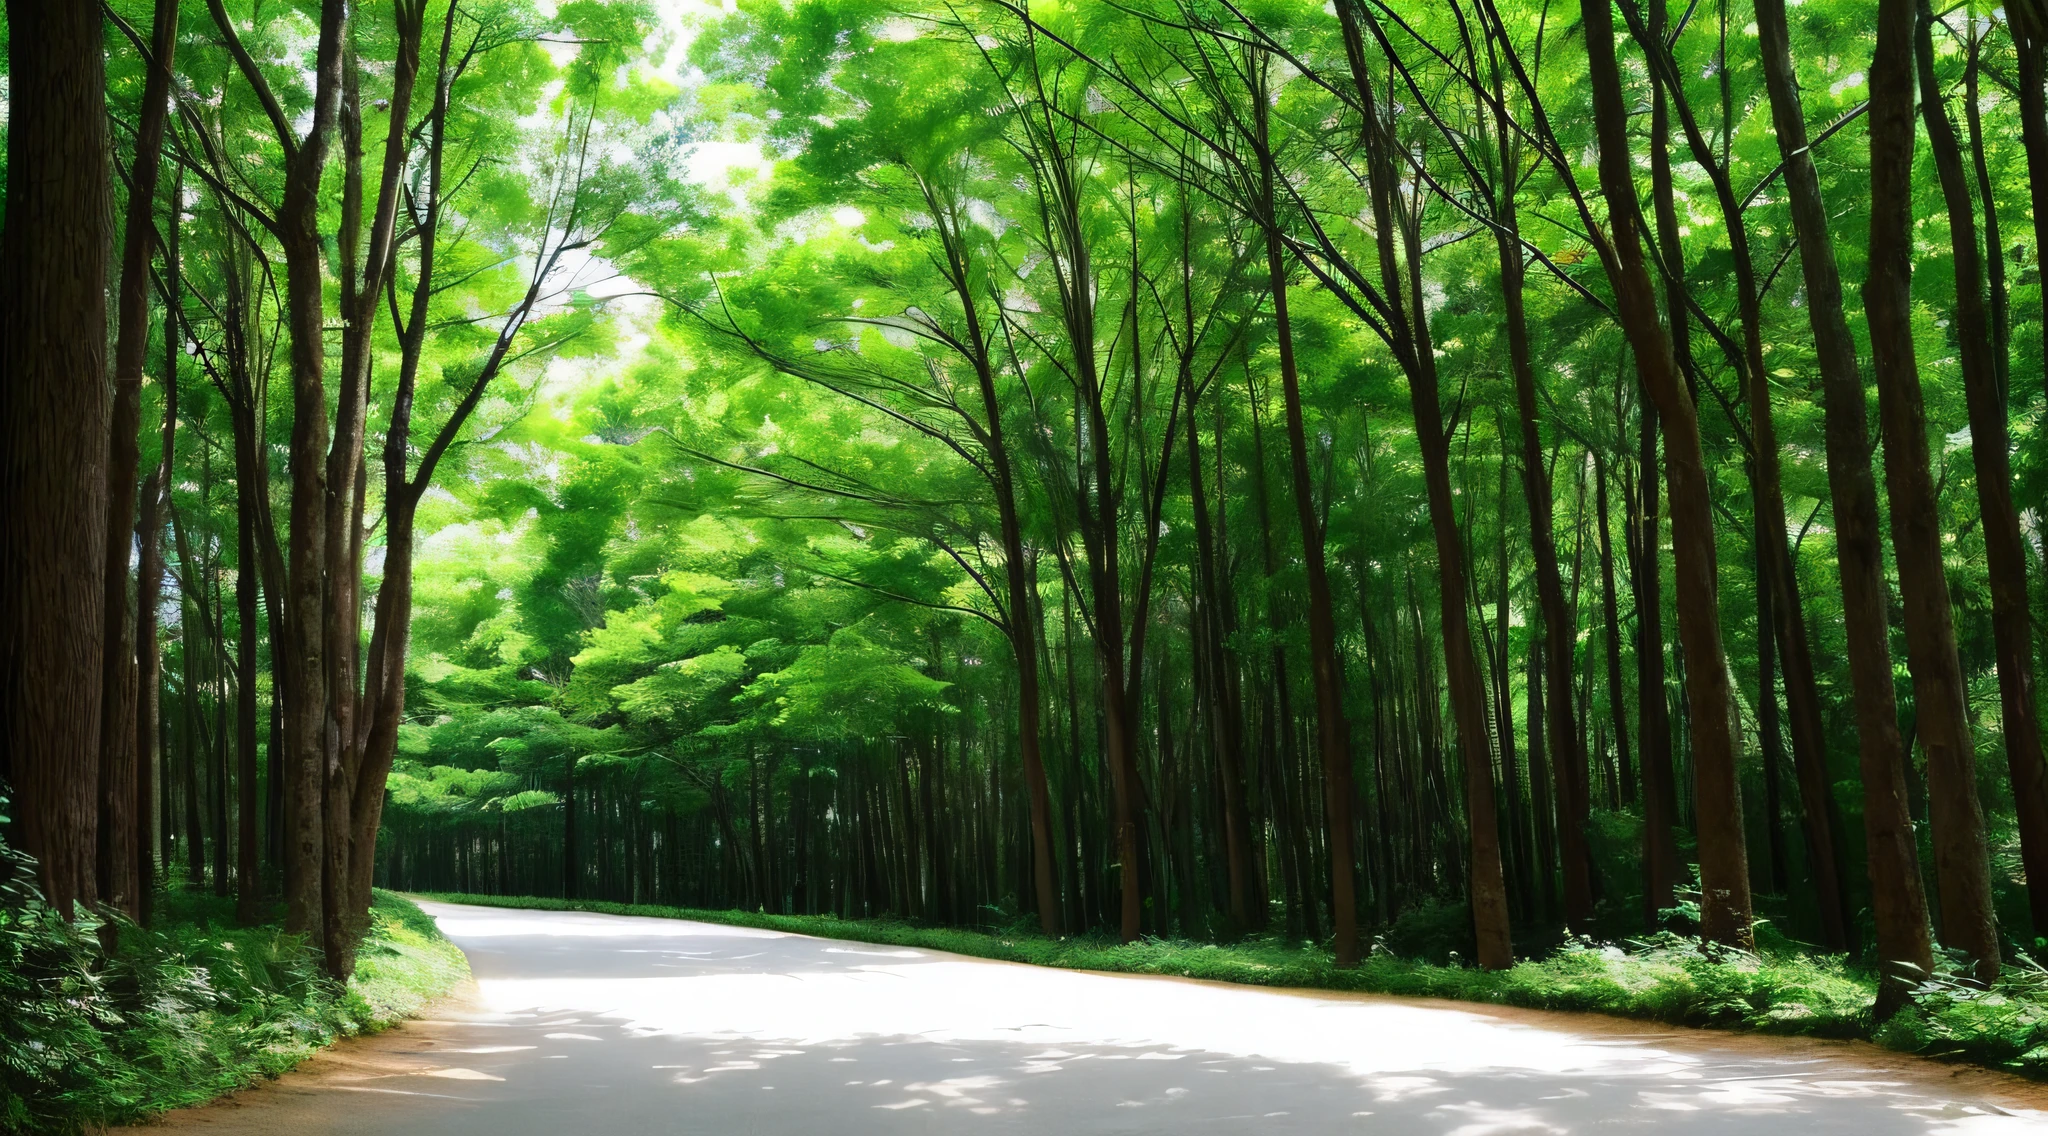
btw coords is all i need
(1402, 287)
(1962, 866)
(53, 436)
(1724, 860)
(1324, 666)
(150, 782)
(1774, 556)
(120, 886)
(1979, 333)
(1617, 698)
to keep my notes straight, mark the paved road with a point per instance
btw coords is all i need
(595, 1023)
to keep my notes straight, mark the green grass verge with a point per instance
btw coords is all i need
(188, 1009)
(1665, 979)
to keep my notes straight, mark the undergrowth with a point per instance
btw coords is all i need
(1666, 978)
(192, 1007)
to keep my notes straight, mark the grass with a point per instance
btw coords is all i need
(189, 1009)
(1667, 978)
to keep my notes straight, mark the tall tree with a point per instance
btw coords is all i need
(1961, 862)
(54, 408)
(1725, 910)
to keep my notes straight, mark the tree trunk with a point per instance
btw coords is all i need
(1724, 860)
(1558, 629)
(1774, 557)
(1979, 336)
(119, 884)
(1617, 698)
(149, 578)
(1941, 719)
(53, 436)
(1324, 666)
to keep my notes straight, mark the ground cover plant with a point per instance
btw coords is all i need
(192, 1007)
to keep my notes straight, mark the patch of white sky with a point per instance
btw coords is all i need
(720, 165)
(729, 167)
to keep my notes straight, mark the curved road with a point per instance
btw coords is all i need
(598, 1023)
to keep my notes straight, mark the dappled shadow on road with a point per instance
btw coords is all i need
(644, 1082)
(598, 1023)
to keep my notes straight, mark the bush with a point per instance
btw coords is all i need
(185, 1010)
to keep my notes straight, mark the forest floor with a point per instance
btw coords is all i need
(190, 1008)
(1781, 991)
(579, 1021)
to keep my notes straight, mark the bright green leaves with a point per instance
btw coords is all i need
(847, 688)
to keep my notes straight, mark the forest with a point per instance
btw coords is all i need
(1446, 479)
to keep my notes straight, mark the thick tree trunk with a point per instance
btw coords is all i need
(53, 436)
(300, 637)
(364, 270)
(1725, 911)
(1962, 866)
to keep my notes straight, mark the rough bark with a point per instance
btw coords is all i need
(53, 436)
(299, 633)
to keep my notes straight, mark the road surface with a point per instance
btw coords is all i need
(584, 1023)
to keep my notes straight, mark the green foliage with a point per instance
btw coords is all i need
(185, 1010)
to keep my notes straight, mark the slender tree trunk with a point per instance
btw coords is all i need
(1617, 697)
(248, 878)
(1324, 666)
(2030, 43)
(1768, 734)
(1558, 627)
(1660, 779)
(1774, 555)
(1225, 741)
(1980, 336)
(1962, 865)
(119, 884)
(1401, 283)
(1021, 629)
(149, 578)
(1724, 860)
